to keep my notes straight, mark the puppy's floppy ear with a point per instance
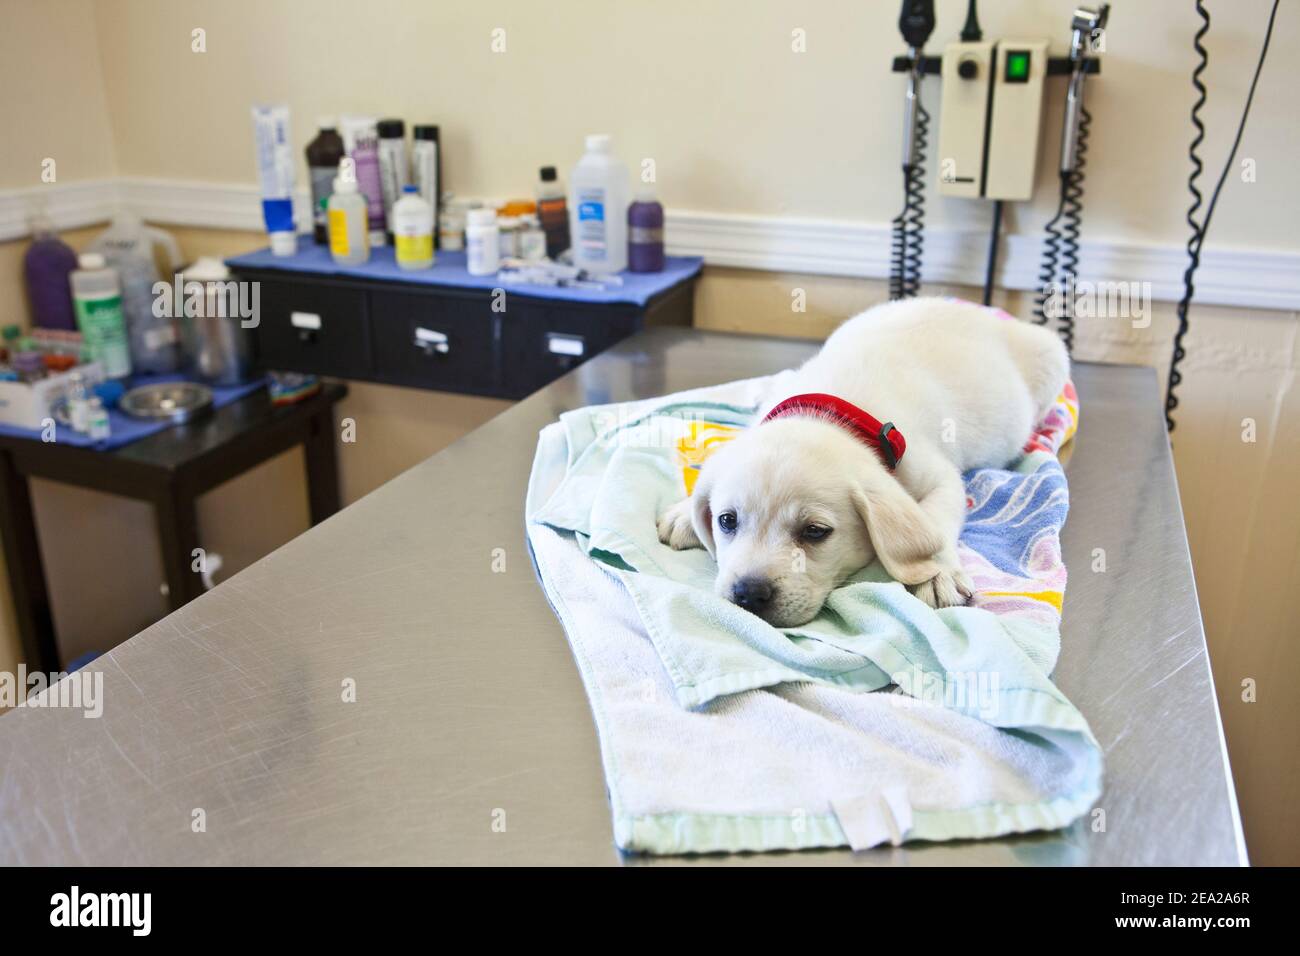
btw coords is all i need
(701, 513)
(904, 538)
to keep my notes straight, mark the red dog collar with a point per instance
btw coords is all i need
(887, 440)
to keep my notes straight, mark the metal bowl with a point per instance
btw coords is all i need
(167, 401)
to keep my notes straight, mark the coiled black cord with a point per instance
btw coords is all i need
(909, 225)
(1194, 240)
(1199, 230)
(1047, 267)
(1060, 263)
(1071, 220)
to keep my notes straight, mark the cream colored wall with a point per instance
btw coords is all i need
(736, 122)
(53, 105)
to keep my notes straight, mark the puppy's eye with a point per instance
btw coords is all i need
(815, 532)
(727, 521)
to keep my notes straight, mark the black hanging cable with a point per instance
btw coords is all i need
(970, 31)
(994, 233)
(1071, 220)
(1197, 237)
(1047, 268)
(909, 225)
(1060, 262)
(1193, 248)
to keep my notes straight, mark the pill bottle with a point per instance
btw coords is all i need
(482, 242)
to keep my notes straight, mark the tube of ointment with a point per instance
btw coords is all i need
(275, 173)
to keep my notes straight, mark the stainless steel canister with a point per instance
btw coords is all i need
(216, 313)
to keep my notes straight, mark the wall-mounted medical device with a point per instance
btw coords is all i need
(989, 129)
(989, 120)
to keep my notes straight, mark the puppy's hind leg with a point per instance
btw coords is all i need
(675, 528)
(1041, 357)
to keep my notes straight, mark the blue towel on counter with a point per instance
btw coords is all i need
(126, 429)
(449, 270)
(881, 720)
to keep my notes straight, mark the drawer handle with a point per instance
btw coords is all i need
(431, 342)
(558, 344)
(307, 324)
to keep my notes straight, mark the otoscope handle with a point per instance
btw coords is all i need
(1082, 25)
(916, 22)
(1070, 122)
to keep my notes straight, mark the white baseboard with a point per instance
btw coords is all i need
(1232, 277)
(68, 206)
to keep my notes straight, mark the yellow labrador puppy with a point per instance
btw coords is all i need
(861, 453)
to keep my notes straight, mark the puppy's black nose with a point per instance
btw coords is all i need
(753, 594)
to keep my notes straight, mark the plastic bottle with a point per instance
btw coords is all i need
(46, 267)
(393, 174)
(97, 300)
(508, 236)
(413, 230)
(553, 211)
(645, 232)
(12, 333)
(29, 364)
(349, 223)
(426, 167)
(361, 140)
(78, 402)
(598, 200)
(97, 423)
(482, 242)
(128, 246)
(323, 156)
(532, 240)
(451, 228)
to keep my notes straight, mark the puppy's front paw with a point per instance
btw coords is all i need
(949, 588)
(675, 528)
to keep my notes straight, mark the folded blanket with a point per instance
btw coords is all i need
(880, 720)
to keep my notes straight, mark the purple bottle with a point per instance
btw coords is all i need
(645, 233)
(46, 267)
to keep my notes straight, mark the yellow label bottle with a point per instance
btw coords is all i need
(413, 230)
(348, 229)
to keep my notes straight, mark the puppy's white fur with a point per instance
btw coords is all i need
(963, 386)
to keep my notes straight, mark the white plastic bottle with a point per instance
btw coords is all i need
(349, 232)
(97, 301)
(598, 201)
(413, 230)
(128, 247)
(482, 242)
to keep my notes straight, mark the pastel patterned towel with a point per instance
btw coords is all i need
(721, 732)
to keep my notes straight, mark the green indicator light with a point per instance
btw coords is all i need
(1017, 67)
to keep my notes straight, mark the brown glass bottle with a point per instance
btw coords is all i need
(323, 156)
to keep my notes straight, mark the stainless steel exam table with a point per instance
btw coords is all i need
(470, 739)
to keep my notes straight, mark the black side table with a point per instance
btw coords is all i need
(169, 469)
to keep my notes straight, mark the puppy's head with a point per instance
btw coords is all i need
(793, 507)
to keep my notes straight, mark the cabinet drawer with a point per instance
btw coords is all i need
(541, 343)
(310, 327)
(435, 341)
